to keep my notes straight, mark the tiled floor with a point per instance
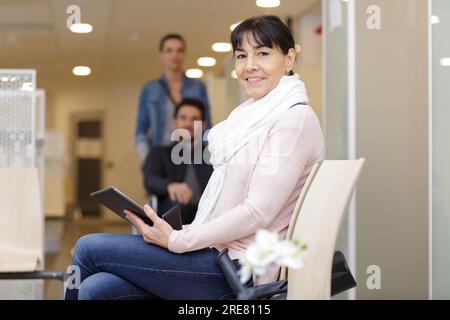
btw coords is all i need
(61, 236)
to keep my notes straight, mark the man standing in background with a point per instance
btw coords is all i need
(160, 96)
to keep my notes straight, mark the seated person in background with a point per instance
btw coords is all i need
(182, 183)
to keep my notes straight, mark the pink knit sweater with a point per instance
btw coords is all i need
(260, 193)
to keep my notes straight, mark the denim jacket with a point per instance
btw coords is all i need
(151, 110)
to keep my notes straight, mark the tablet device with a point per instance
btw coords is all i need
(117, 202)
(173, 217)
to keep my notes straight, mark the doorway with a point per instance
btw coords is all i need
(88, 161)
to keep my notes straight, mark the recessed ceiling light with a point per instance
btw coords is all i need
(233, 74)
(194, 73)
(435, 19)
(222, 47)
(81, 71)
(4, 79)
(206, 61)
(267, 3)
(234, 25)
(81, 28)
(445, 62)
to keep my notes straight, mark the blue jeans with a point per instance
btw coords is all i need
(122, 266)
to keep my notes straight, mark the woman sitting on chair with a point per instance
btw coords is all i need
(262, 154)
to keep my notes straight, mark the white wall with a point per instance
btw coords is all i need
(391, 133)
(309, 60)
(311, 75)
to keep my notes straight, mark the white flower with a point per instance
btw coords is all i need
(289, 255)
(245, 272)
(261, 253)
(267, 250)
(266, 239)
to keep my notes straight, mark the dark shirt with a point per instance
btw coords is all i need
(159, 171)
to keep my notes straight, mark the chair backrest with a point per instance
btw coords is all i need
(301, 198)
(21, 220)
(317, 224)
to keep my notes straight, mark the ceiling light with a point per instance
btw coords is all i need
(206, 61)
(267, 3)
(445, 62)
(194, 73)
(234, 25)
(4, 79)
(81, 28)
(81, 71)
(222, 47)
(233, 74)
(435, 19)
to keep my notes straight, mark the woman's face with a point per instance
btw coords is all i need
(259, 69)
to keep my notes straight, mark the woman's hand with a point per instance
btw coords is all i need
(158, 234)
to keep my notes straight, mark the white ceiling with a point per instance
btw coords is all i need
(33, 34)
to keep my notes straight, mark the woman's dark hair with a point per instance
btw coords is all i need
(268, 31)
(171, 36)
(190, 102)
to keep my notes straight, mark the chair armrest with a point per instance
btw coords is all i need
(265, 291)
(229, 270)
(341, 279)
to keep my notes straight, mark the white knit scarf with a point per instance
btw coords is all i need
(227, 137)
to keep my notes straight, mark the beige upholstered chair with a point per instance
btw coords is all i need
(317, 224)
(315, 221)
(21, 221)
(298, 205)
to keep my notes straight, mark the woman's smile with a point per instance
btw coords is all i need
(255, 80)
